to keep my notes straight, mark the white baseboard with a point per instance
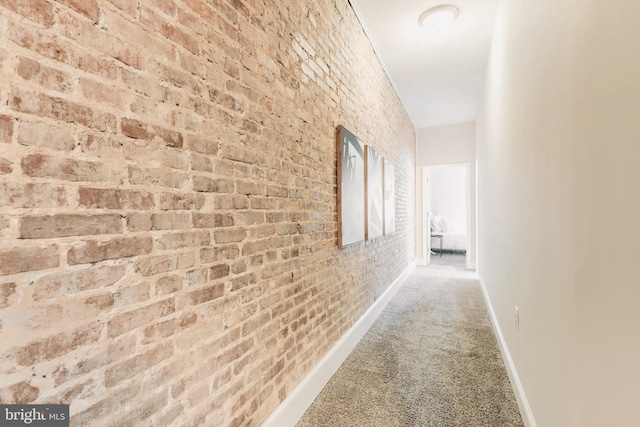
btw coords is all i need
(296, 404)
(421, 262)
(518, 390)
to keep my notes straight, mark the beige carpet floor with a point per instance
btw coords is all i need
(452, 259)
(430, 360)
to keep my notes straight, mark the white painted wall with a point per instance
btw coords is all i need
(449, 195)
(444, 145)
(558, 138)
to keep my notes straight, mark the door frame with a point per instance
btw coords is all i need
(426, 207)
(426, 217)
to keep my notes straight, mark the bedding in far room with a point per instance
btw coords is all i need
(452, 240)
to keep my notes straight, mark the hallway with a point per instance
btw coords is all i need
(431, 359)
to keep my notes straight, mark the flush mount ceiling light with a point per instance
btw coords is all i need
(439, 18)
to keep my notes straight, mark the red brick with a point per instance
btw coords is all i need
(40, 227)
(130, 30)
(208, 220)
(20, 195)
(208, 185)
(168, 285)
(235, 352)
(227, 236)
(150, 18)
(207, 294)
(202, 144)
(203, 9)
(171, 221)
(140, 130)
(44, 166)
(263, 203)
(55, 48)
(239, 266)
(58, 345)
(80, 366)
(275, 369)
(250, 218)
(20, 393)
(140, 414)
(171, 138)
(67, 283)
(38, 11)
(231, 201)
(166, 158)
(35, 317)
(126, 6)
(104, 94)
(45, 136)
(257, 260)
(219, 253)
(184, 240)
(72, 393)
(108, 198)
(181, 201)
(139, 222)
(179, 78)
(98, 39)
(7, 291)
(141, 83)
(201, 163)
(48, 77)
(124, 322)
(21, 259)
(160, 330)
(137, 364)
(226, 101)
(218, 271)
(188, 319)
(196, 277)
(132, 295)
(277, 191)
(158, 177)
(239, 154)
(168, 7)
(89, 307)
(172, 372)
(164, 263)
(6, 166)
(222, 167)
(6, 129)
(60, 109)
(242, 171)
(106, 407)
(242, 364)
(242, 282)
(123, 247)
(88, 8)
(262, 231)
(136, 129)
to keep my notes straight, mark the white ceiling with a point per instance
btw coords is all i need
(438, 78)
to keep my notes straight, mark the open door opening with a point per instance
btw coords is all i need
(446, 215)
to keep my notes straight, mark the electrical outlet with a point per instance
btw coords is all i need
(517, 318)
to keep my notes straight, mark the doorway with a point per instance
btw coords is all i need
(447, 215)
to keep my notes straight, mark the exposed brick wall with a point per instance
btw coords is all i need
(168, 238)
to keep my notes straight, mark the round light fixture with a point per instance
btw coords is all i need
(439, 18)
